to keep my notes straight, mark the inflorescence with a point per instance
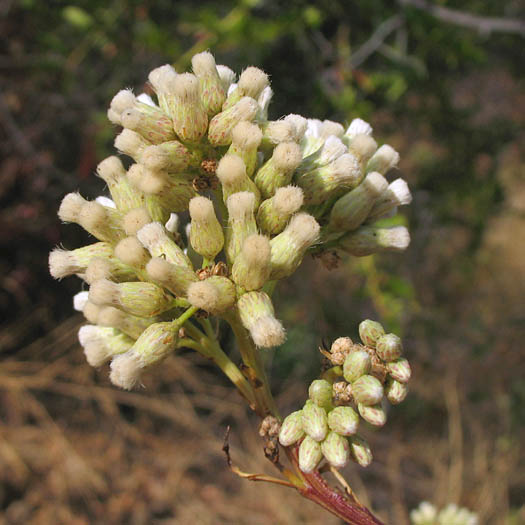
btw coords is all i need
(211, 204)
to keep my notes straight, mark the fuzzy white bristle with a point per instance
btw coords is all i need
(131, 118)
(203, 64)
(62, 264)
(329, 127)
(79, 301)
(201, 209)
(130, 251)
(96, 354)
(332, 149)
(114, 117)
(186, 87)
(134, 220)
(264, 99)
(375, 183)
(110, 316)
(155, 158)
(162, 78)
(151, 234)
(91, 312)
(123, 100)
(347, 168)
(129, 142)
(98, 268)
(245, 109)
(92, 216)
(299, 123)
(364, 146)
(304, 229)
(203, 295)
(246, 135)
(256, 249)
(70, 207)
(358, 127)
(268, 332)
(125, 371)
(230, 170)
(396, 239)
(111, 169)
(252, 81)
(104, 292)
(288, 200)
(89, 334)
(399, 192)
(226, 75)
(287, 156)
(280, 131)
(240, 204)
(158, 269)
(313, 128)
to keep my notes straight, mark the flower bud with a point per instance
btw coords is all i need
(399, 370)
(212, 92)
(113, 173)
(360, 451)
(102, 222)
(357, 364)
(214, 295)
(336, 449)
(222, 124)
(367, 240)
(289, 247)
(363, 147)
(131, 144)
(329, 127)
(63, 263)
(370, 332)
(343, 420)
(320, 392)
(389, 347)
(274, 213)
(231, 172)
(375, 415)
(331, 150)
(131, 252)
(111, 268)
(162, 80)
(159, 243)
(246, 138)
(258, 317)
(395, 391)
(328, 181)
(277, 131)
(299, 124)
(358, 127)
(397, 194)
(241, 222)
(226, 75)
(385, 158)
(251, 83)
(175, 278)
(135, 219)
(206, 236)
(92, 313)
(251, 267)
(291, 429)
(310, 454)
(170, 156)
(154, 344)
(137, 298)
(351, 210)
(315, 422)
(367, 390)
(131, 325)
(101, 343)
(340, 348)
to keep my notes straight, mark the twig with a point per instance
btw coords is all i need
(483, 24)
(376, 40)
(339, 477)
(246, 475)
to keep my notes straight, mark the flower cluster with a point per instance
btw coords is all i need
(260, 194)
(327, 424)
(427, 514)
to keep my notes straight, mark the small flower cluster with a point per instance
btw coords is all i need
(328, 422)
(260, 194)
(427, 514)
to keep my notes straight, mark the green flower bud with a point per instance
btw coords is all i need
(212, 92)
(367, 390)
(360, 451)
(169, 156)
(320, 392)
(206, 235)
(399, 370)
(100, 344)
(63, 263)
(357, 363)
(370, 332)
(246, 138)
(291, 429)
(251, 84)
(351, 210)
(328, 181)
(336, 449)
(136, 298)
(162, 79)
(222, 124)
(131, 325)
(175, 278)
(343, 420)
(131, 144)
(389, 347)
(363, 147)
(315, 422)
(278, 170)
(215, 294)
(375, 415)
(159, 243)
(367, 240)
(288, 247)
(310, 454)
(241, 221)
(385, 158)
(277, 131)
(125, 196)
(257, 315)
(251, 267)
(231, 172)
(154, 344)
(110, 268)
(397, 194)
(274, 213)
(395, 391)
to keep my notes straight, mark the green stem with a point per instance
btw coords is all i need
(185, 316)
